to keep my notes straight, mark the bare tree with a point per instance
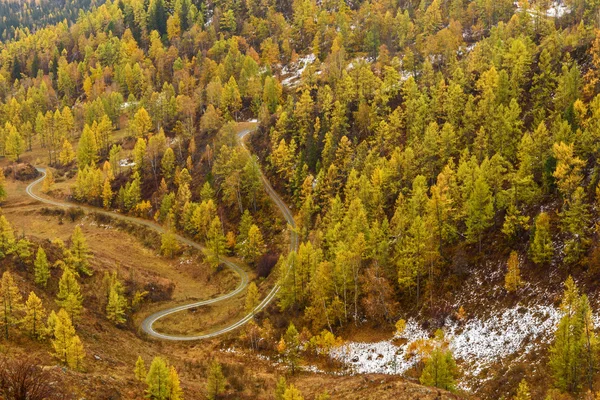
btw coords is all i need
(24, 379)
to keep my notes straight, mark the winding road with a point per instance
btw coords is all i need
(147, 324)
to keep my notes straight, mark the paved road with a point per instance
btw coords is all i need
(147, 324)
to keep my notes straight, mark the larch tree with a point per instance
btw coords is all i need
(568, 172)
(15, 145)
(479, 210)
(41, 267)
(116, 306)
(252, 298)
(79, 250)
(215, 242)
(440, 370)
(69, 295)
(167, 164)
(67, 154)
(280, 388)
(168, 244)
(12, 303)
(107, 194)
(523, 391)
(3, 193)
(87, 149)
(575, 218)
(157, 380)
(67, 345)
(216, 381)
(35, 317)
(541, 247)
(231, 101)
(512, 279)
(573, 354)
(48, 181)
(141, 124)
(175, 392)
(140, 370)
(7, 238)
(289, 347)
(292, 393)
(253, 246)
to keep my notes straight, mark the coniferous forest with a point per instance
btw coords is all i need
(333, 199)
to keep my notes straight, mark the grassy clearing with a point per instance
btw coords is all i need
(203, 319)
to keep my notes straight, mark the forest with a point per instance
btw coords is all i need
(418, 144)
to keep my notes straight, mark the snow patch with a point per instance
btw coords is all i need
(557, 10)
(293, 71)
(126, 163)
(477, 344)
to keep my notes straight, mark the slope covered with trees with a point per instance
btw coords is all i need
(416, 141)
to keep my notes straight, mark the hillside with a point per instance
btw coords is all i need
(356, 196)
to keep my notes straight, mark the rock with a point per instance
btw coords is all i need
(21, 172)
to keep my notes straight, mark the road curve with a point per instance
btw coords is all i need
(147, 324)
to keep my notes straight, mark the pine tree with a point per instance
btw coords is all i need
(252, 298)
(215, 241)
(35, 316)
(140, 370)
(479, 210)
(80, 252)
(41, 267)
(158, 380)
(11, 304)
(541, 248)
(523, 391)
(69, 295)
(440, 370)
(216, 381)
(512, 279)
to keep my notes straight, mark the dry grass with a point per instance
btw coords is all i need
(202, 319)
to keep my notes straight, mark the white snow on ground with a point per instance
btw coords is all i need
(126, 163)
(294, 71)
(514, 331)
(557, 10)
(381, 357)
(478, 343)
